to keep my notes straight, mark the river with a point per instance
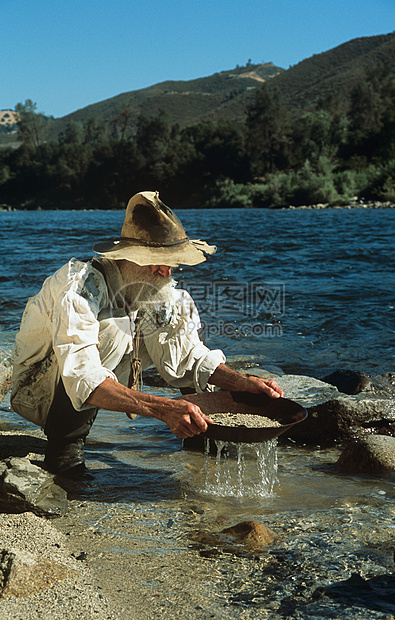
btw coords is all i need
(295, 291)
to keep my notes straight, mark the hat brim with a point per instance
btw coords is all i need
(190, 252)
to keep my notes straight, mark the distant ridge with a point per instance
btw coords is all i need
(334, 71)
(228, 93)
(222, 95)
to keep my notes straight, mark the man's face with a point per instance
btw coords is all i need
(162, 270)
(146, 273)
(144, 284)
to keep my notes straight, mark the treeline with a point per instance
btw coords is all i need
(341, 148)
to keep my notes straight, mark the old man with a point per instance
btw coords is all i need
(94, 326)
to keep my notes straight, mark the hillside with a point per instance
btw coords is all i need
(334, 71)
(343, 150)
(222, 95)
(227, 94)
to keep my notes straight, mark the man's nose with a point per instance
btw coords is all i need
(164, 271)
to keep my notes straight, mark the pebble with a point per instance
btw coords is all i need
(242, 419)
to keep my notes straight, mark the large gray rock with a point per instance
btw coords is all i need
(27, 487)
(374, 454)
(334, 416)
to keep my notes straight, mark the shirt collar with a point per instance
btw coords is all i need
(114, 282)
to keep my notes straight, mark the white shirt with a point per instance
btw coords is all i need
(64, 318)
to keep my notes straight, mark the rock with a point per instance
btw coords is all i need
(384, 383)
(245, 365)
(23, 573)
(374, 454)
(263, 373)
(252, 534)
(27, 487)
(58, 586)
(257, 365)
(30, 444)
(333, 416)
(5, 380)
(349, 381)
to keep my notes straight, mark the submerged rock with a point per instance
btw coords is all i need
(370, 455)
(252, 534)
(27, 487)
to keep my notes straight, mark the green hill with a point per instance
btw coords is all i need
(222, 95)
(336, 71)
(228, 93)
(267, 155)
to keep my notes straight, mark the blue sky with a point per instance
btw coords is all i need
(67, 54)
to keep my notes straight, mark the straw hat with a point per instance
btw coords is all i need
(153, 235)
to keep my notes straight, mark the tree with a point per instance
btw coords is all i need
(370, 111)
(95, 130)
(268, 123)
(30, 124)
(122, 123)
(219, 152)
(313, 137)
(74, 133)
(153, 147)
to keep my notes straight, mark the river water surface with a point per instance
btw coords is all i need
(294, 291)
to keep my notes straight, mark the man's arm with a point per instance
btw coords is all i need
(183, 418)
(227, 379)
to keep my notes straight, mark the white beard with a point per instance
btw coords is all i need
(144, 290)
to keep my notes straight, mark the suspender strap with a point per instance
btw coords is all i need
(135, 381)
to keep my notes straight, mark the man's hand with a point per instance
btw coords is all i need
(258, 385)
(228, 379)
(184, 419)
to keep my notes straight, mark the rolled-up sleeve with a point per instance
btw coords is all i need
(75, 341)
(176, 349)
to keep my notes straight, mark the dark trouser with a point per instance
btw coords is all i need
(64, 423)
(66, 430)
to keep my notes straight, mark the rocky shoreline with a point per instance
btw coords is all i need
(355, 203)
(43, 572)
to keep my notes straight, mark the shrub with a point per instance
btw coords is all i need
(231, 195)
